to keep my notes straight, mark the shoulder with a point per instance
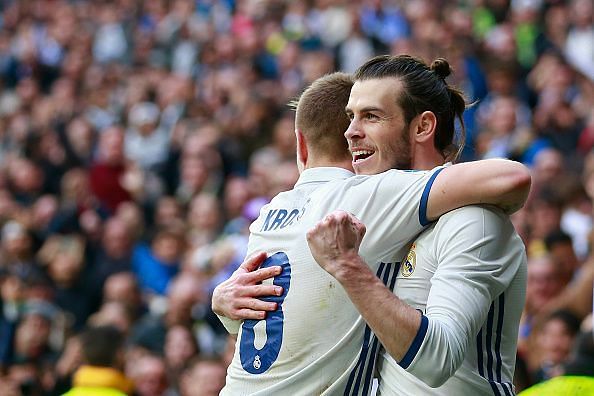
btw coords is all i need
(489, 218)
(479, 227)
(476, 223)
(390, 173)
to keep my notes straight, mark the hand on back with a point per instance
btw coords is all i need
(236, 298)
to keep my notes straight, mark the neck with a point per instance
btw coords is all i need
(426, 158)
(324, 162)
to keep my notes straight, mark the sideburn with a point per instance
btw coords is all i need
(404, 155)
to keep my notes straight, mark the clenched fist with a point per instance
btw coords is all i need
(334, 241)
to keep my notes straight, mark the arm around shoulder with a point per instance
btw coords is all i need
(499, 182)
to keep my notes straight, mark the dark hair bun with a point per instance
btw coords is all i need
(441, 67)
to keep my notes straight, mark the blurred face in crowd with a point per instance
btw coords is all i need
(502, 120)
(501, 82)
(168, 212)
(204, 212)
(122, 287)
(32, 335)
(581, 12)
(193, 173)
(548, 164)
(556, 21)
(314, 64)
(80, 136)
(44, 210)
(65, 268)
(543, 283)
(12, 288)
(111, 146)
(167, 248)
(260, 172)
(563, 254)
(204, 378)
(284, 137)
(16, 242)
(149, 376)
(75, 185)
(237, 193)
(284, 178)
(185, 291)
(117, 240)
(27, 89)
(179, 346)
(131, 214)
(545, 218)
(25, 176)
(501, 42)
(555, 341)
(378, 134)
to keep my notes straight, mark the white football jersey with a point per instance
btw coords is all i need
(467, 274)
(316, 342)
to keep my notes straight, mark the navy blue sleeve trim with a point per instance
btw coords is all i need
(425, 199)
(416, 344)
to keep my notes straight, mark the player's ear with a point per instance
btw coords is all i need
(424, 127)
(302, 153)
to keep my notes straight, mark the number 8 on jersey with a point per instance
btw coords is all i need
(257, 361)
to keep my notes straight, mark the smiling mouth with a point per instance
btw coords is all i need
(360, 155)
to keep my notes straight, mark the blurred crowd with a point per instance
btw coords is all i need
(139, 139)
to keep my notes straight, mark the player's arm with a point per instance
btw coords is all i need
(334, 243)
(403, 331)
(399, 204)
(477, 258)
(236, 298)
(499, 182)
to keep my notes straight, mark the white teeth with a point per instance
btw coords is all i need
(360, 155)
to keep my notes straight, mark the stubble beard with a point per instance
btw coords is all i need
(402, 154)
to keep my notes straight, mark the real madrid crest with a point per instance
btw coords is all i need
(408, 266)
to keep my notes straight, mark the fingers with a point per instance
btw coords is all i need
(257, 305)
(359, 227)
(252, 308)
(228, 301)
(339, 219)
(262, 274)
(249, 314)
(253, 262)
(311, 233)
(262, 291)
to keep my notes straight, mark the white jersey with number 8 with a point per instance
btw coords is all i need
(316, 342)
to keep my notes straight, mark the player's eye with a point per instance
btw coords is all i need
(350, 115)
(371, 116)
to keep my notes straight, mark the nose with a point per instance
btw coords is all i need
(354, 131)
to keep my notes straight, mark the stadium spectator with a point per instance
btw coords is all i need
(149, 376)
(156, 264)
(553, 339)
(103, 358)
(203, 377)
(180, 346)
(108, 169)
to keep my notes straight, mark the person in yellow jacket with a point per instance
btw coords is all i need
(564, 385)
(578, 377)
(103, 357)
